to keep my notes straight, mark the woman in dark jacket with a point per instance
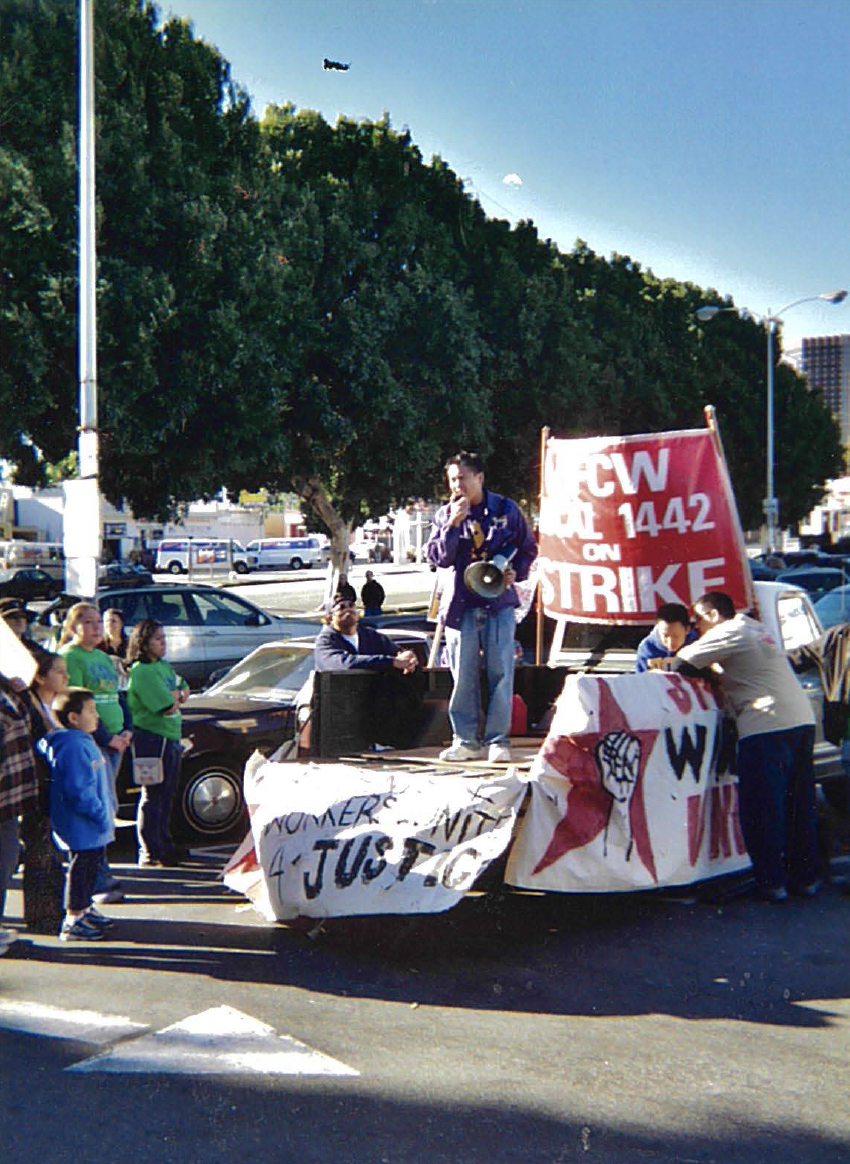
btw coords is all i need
(44, 878)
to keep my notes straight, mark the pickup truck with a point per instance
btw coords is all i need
(787, 612)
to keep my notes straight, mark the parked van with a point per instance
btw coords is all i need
(47, 556)
(286, 553)
(173, 555)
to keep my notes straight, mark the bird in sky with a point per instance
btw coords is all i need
(326, 64)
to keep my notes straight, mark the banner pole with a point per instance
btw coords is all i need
(538, 642)
(714, 428)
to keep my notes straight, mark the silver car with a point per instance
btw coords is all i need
(205, 628)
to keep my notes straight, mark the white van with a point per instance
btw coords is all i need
(173, 555)
(286, 553)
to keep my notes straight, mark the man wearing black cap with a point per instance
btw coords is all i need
(342, 645)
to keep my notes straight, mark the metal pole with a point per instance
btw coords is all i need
(771, 508)
(88, 439)
(538, 635)
(81, 517)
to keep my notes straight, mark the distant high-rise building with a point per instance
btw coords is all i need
(826, 364)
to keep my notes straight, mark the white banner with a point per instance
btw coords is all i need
(630, 790)
(336, 840)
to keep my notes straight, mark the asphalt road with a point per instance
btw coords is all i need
(516, 1027)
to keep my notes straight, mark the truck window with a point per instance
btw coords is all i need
(796, 622)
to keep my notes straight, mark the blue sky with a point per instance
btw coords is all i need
(708, 141)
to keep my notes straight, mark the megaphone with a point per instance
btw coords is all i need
(487, 579)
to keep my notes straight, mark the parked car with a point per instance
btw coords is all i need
(286, 553)
(118, 575)
(253, 708)
(28, 583)
(834, 607)
(817, 580)
(205, 628)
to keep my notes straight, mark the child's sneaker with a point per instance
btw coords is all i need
(80, 931)
(7, 939)
(95, 918)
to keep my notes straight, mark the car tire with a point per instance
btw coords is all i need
(175, 568)
(210, 804)
(240, 567)
(296, 564)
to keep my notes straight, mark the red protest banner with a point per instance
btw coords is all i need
(628, 523)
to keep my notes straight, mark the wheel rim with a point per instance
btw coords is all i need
(295, 564)
(212, 800)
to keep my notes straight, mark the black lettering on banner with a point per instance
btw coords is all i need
(448, 823)
(369, 802)
(725, 746)
(413, 847)
(484, 817)
(343, 816)
(689, 753)
(276, 864)
(463, 875)
(299, 822)
(322, 847)
(370, 871)
(343, 875)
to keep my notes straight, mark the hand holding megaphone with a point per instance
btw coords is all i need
(490, 579)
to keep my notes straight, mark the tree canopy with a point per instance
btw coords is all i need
(298, 305)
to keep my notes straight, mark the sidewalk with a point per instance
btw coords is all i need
(263, 577)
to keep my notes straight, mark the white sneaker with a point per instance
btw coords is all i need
(499, 754)
(460, 752)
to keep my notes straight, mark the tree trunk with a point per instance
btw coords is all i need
(311, 491)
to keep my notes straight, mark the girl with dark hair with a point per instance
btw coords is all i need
(115, 643)
(155, 694)
(115, 640)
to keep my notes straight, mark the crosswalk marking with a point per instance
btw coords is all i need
(217, 1041)
(88, 1026)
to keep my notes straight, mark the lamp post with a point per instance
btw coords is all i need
(707, 313)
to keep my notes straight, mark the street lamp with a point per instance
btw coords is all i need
(707, 313)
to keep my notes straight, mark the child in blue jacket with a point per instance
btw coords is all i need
(80, 809)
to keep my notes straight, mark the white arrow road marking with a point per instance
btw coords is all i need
(216, 1041)
(88, 1026)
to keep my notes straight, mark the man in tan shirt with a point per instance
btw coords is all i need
(776, 735)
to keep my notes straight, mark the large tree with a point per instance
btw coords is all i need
(313, 307)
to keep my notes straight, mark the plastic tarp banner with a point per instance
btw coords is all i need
(336, 840)
(631, 790)
(629, 523)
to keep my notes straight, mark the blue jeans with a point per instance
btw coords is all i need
(81, 877)
(105, 879)
(153, 827)
(776, 795)
(489, 639)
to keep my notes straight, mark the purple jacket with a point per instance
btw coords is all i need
(503, 525)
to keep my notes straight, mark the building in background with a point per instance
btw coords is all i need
(826, 365)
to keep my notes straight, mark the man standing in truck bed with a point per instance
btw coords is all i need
(477, 525)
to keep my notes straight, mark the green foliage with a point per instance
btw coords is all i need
(309, 307)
